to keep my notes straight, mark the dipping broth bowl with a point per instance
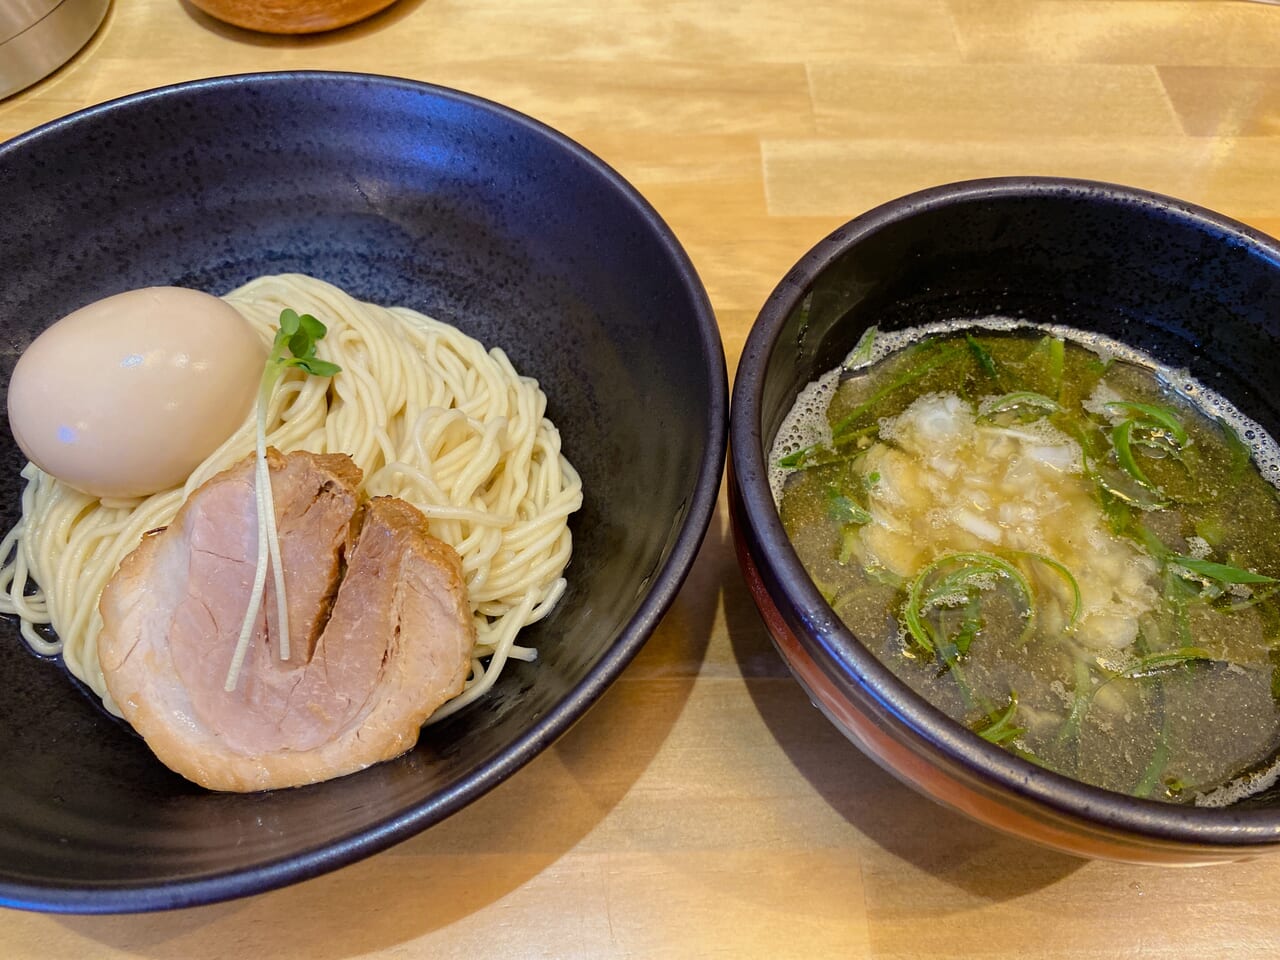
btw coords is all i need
(400, 193)
(1187, 286)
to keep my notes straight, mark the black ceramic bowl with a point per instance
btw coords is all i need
(1188, 286)
(401, 193)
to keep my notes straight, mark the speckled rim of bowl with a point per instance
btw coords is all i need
(662, 590)
(842, 658)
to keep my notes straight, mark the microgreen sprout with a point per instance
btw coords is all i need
(294, 346)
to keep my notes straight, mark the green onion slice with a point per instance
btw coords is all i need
(937, 357)
(1077, 603)
(974, 573)
(1025, 405)
(1220, 572)
(999, 727)
(1162, 660)
(1121, 437)
(1161, 416)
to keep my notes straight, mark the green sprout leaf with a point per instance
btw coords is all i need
(290, 323)
(317, 367)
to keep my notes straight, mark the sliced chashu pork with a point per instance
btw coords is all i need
(380, 630)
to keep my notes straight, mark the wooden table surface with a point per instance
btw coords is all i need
(703, 808)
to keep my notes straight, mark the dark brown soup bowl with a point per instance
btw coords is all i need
(1190, 287)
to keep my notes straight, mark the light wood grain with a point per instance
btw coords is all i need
(957, 101)
(703, 808)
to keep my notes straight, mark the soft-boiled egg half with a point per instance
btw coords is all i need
(126, 396)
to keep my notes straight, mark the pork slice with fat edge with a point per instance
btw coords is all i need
(380, 630)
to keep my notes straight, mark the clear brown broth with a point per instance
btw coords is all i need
(929, 492)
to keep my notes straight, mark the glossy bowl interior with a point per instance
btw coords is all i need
(401, 193)
(1191, 288)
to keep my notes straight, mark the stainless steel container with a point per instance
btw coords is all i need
(39, 36)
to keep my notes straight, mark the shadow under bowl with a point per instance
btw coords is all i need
(1191, 288)
(400, 193)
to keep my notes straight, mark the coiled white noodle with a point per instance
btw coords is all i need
(425, 411)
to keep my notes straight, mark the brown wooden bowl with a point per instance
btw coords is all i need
(291, 16)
